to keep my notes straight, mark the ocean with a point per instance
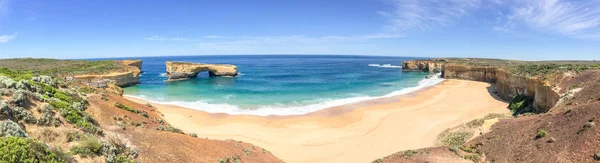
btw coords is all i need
(279, 84)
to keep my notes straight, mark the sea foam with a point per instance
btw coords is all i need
(292, 110)
(385, 65)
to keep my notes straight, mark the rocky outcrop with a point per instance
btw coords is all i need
(507, 85)
(126, 76)
(186, 70)
(134, 63)
(432, 66)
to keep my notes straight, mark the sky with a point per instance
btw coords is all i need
(506, 29)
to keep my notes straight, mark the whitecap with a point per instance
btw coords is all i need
(384, 65)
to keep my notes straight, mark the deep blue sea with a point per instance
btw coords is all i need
(279, 84)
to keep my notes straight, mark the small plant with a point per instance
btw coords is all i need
(149, 105)
(230, 159)
(124, 107)
(144, 114)
(193, 135)
(20, 97)
(472, 157)
(17, 149)
(10, 128)
(541, 133)
(88, 148)
(136, 124)
(379, 160)
(467, 149)
(247, 152)
(410, 153)
(457, 138)
(121, 125)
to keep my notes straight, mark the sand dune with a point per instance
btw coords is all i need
(360, 132)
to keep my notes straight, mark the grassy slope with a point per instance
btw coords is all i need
(110, 127)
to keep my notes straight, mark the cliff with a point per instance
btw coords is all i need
(126, 75)
(432, 66)
(506, 84)
(134, 63)
(185, 70)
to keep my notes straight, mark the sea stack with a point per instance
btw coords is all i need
(186, 70)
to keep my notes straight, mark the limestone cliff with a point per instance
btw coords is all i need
(185, 70)
(125, 76)
(507, 85)
(432, 66)
(134, 63)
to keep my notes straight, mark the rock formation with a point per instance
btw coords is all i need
(134, 63)
(507, 85)
(128, 75)
(186, 70)
(432, 66)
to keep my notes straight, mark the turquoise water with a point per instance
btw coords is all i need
(279, 85)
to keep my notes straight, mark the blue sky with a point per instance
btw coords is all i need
(509, 29)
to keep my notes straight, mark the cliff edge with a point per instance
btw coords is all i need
(536, 80)
(126, 73)
(186, 70)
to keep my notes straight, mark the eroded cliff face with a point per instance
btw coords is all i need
(432, 66)
(126, 76)
(134, 63)
(507, 85)
(185, 70)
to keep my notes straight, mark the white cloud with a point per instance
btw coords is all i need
(426, 14)
(6, 38)
(573, 18)
(162, 38)
(579, 19)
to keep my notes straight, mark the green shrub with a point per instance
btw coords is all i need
(457, 138)
(230, 159)
(23, 114)
(4, 108)
(6, 82)
(5, 91)
(45, 80)
(521, 104)
(410, 153)
(59, 104)
(193, 135)
(22, 85)
(144, 114)
(125, 107)
(47, 118)
(17, 149)
(63, 96)
(10, 128)
(88, 148)
(541, 133)
(20, 97)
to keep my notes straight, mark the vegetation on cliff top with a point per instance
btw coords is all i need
(26, 67)
(18, 149)
(26, 83)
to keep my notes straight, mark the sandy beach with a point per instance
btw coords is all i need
(359, 132)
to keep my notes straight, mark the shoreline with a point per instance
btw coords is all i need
(373, 128)
(268, 111)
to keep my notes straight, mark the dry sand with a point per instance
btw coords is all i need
(359, 132)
